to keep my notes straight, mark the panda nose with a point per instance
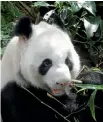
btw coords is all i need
(62, 83)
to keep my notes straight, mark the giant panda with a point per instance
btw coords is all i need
(40, 60)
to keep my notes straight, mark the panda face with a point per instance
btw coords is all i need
(49, 61)
(41, 55)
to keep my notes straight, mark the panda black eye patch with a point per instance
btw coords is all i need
(69, 63)
(45, 66)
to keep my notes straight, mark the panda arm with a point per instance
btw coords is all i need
(19, 106)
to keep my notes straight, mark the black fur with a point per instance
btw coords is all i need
(17, 105)
(23, 27)
(69, 63)
(45, 66)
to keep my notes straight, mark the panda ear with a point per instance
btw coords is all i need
(23, 27)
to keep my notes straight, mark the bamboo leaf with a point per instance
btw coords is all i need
(91, 25)
(42, 4)
(74, 7)
(92, 104)
(81, 90)
(88, 5)
(90, 86)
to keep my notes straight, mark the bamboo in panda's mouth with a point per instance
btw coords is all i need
(62, 89)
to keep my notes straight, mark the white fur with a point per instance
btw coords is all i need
(47, 41)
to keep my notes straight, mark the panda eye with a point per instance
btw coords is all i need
(47, 62)
(45, 66)
(69, 63)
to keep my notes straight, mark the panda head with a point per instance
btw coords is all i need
(48, 59)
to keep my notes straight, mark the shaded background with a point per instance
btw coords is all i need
(83, 21)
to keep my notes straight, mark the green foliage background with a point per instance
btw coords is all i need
(9, 14)
(80, 19)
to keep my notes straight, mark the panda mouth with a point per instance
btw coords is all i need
(60, 90)
(57, 92)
